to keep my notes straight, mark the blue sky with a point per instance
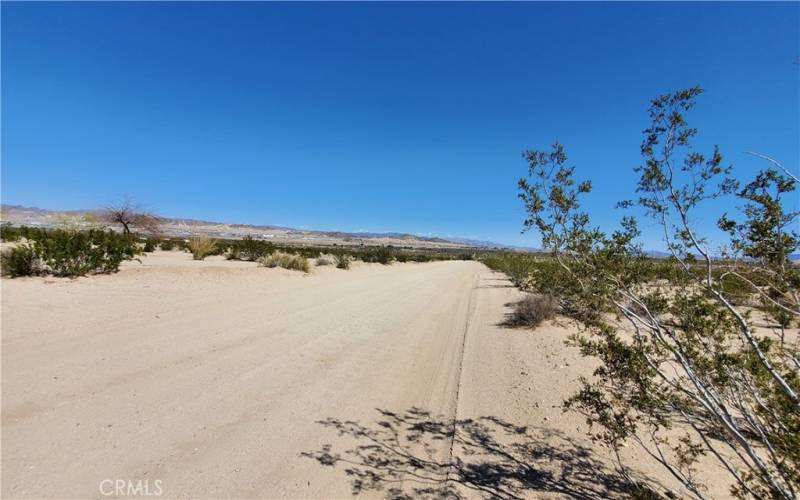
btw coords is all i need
(381, 117)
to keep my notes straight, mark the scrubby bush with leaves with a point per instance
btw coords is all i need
(10, 233)
(150, 245)
(202, 246)
(683, 371)
(167, 245)
(382, 255)
(69, 253)
(249, 249)
(20, 261)
(517, 266)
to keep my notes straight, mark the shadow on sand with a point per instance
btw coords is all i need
(407, 455)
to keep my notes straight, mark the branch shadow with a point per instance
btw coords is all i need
(407, 455)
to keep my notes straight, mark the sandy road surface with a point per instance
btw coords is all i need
(223, 380)
(212, 376)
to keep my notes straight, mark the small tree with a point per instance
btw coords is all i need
(676, 353)
(131, 216)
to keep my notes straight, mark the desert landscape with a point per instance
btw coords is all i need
(223, 379)
(400, 250)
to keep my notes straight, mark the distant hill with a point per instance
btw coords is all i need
(19, 215)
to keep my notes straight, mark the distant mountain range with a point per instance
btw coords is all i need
(18, 214)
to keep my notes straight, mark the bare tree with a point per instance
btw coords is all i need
(131, 216)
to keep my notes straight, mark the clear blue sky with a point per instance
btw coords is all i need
(381, 117)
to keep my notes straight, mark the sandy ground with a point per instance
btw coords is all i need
(221, 379)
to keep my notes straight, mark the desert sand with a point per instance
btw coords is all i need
(221, 379)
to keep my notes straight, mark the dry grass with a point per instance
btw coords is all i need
(286, 261)
(201, 246)
(531, 311)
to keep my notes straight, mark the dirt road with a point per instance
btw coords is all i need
(217, 379)
(212, 377)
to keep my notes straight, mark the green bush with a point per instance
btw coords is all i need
(381, 255)
(518, 267)
(167, 245)
(249, 249)
(19, 261)
(69, 253)
(9, 233)
(150, 245)
(76, 253)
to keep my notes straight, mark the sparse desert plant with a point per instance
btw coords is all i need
(10, 233)
(420, 257)
(249, 249)
(286, 261)
(20, 260)
(382, 255)
(342, 260)
(201, 246)
(323, 261)
(167, 245)
(688, 373)
(531, 311)
(517, 266)
(150, 245)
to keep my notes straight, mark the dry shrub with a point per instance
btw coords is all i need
(324, 261)
(202, 246)
(342, 261)
(286, 261)
(531, 311)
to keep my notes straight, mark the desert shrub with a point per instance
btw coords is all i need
(682, 371)
(75, 253)
(150, 245)
(10, 233)
(342, 260)
(202, 246)
(518, 267)
(532, 310)
(323, 261)
(402, 257)
(286, 261)
(69, 252)
(380, 255)
(167, 245)
(19, 261)
(249, 249)
(420, 257)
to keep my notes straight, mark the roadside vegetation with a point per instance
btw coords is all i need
(62, 252)
(202, 246)
(698, 353)
(342, 260)
(286, 261)
(531, 311)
